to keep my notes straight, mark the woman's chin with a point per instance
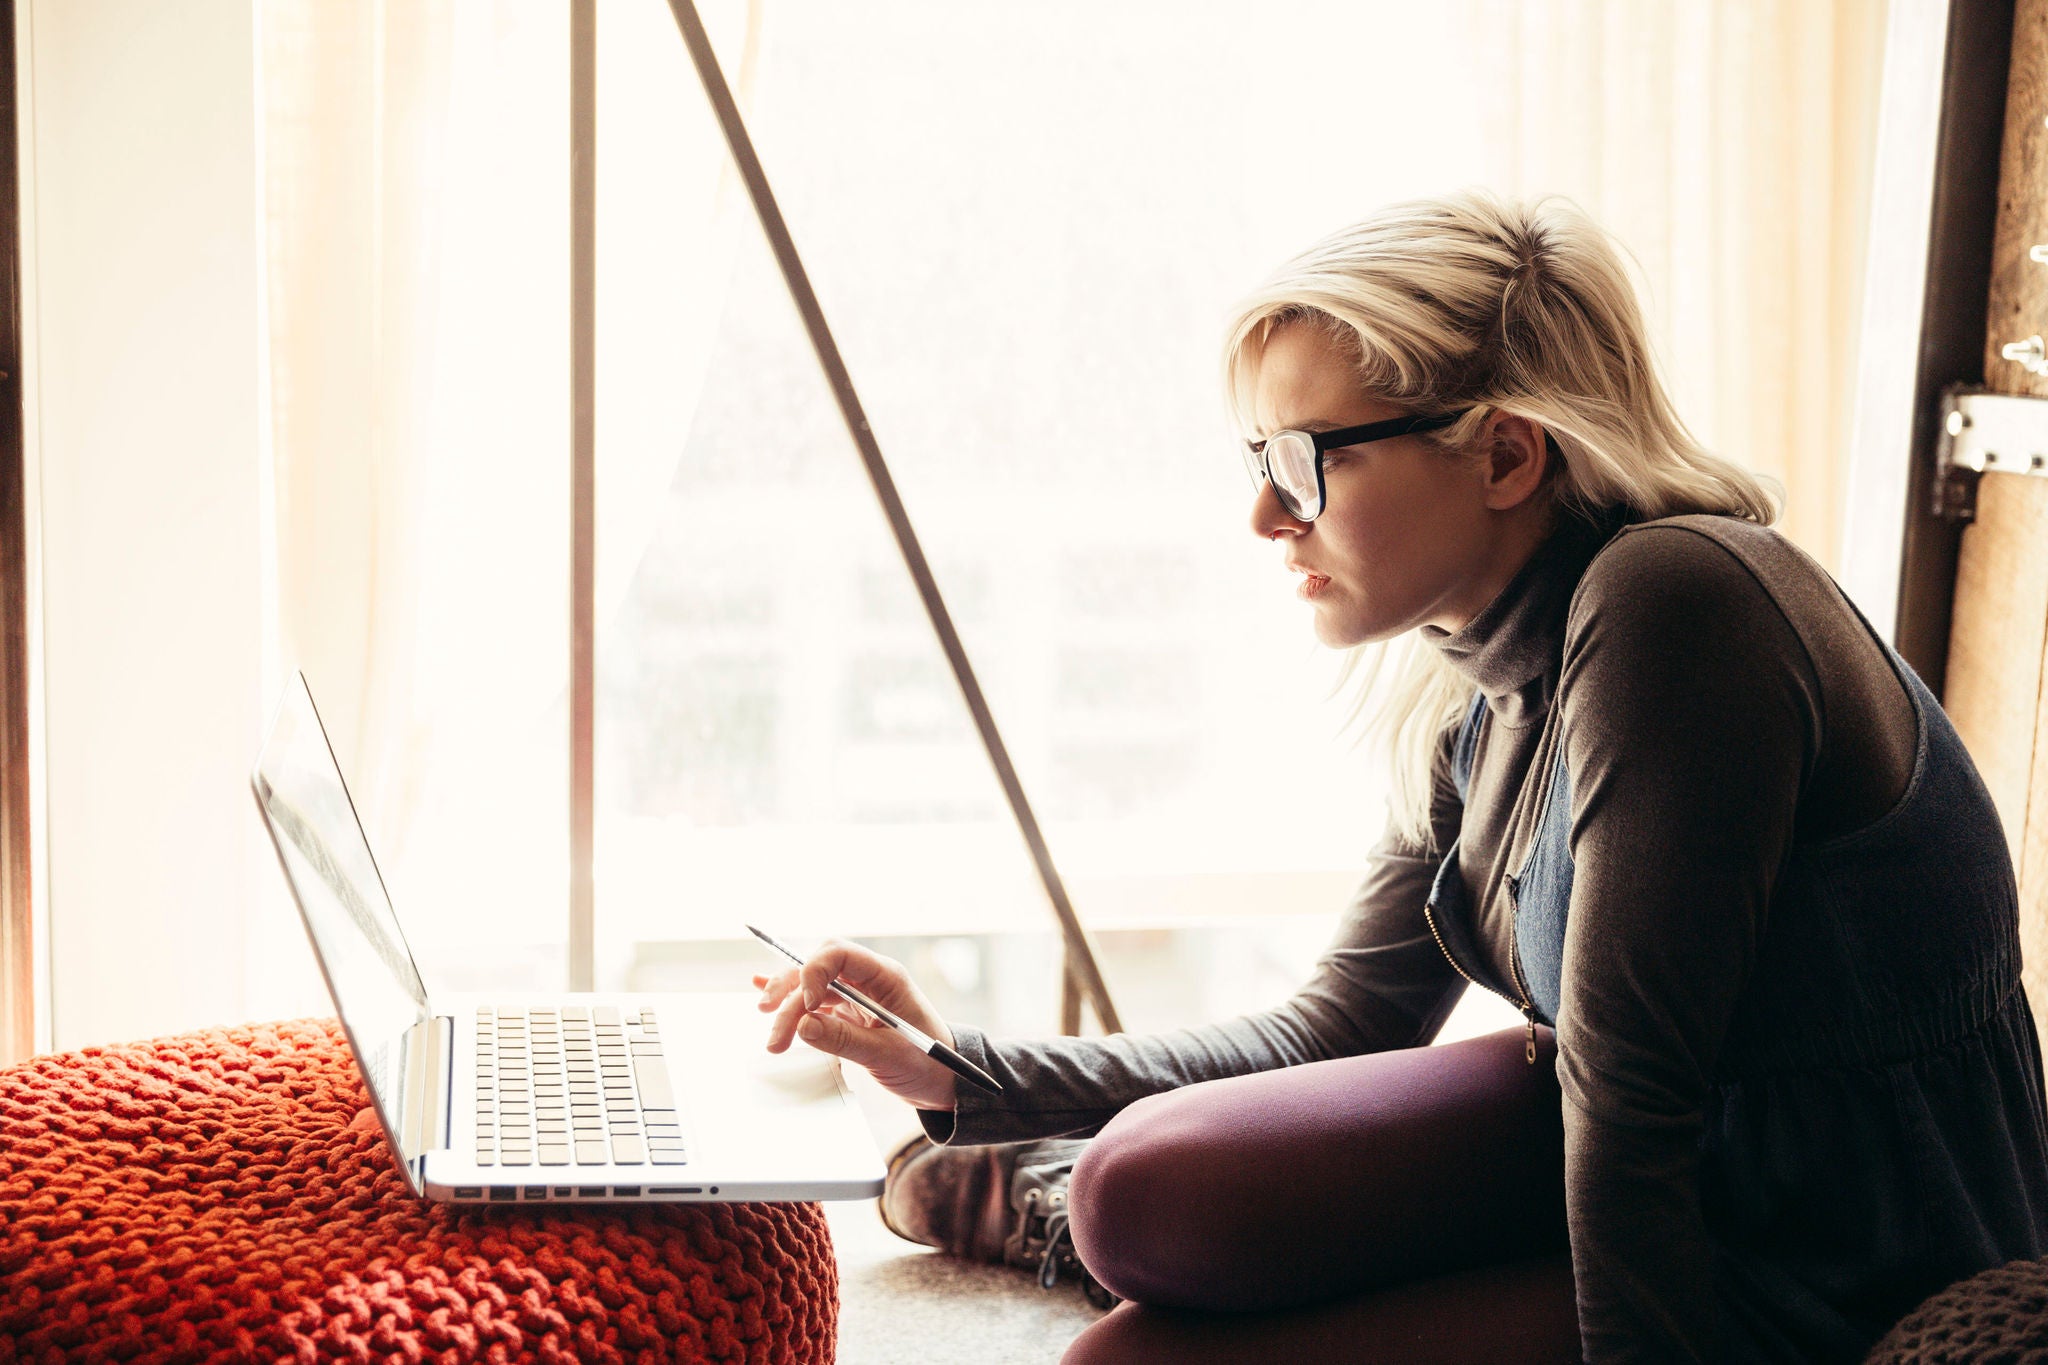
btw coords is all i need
(1335, 631)
(1339, 629)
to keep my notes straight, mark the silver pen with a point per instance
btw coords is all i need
(932, 1047)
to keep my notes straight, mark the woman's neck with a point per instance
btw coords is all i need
(1519, 533)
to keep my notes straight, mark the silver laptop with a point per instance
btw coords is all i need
(525, 1097)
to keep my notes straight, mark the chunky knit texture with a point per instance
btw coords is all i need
(228, 1195)
(1996, 1317)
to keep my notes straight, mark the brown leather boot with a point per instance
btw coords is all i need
(1001, 1203)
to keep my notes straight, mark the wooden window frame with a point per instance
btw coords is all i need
(18, 946)
(1955, 300)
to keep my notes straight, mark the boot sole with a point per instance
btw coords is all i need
(907, 1149)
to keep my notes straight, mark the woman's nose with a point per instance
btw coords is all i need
(1269, 519)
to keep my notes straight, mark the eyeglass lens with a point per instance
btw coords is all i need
(1292, 459)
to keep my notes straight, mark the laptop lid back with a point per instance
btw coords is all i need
(342, 899)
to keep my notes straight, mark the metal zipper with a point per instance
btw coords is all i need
(1527, 1008)
(1526, 1005)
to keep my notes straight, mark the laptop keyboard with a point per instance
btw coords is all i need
(574, 1085)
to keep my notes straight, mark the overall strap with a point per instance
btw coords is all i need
(1467, 743)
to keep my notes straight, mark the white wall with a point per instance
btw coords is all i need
(141, 337)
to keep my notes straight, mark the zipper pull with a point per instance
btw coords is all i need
(1529, 1047)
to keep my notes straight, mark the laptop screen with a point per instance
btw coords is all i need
(348, 915)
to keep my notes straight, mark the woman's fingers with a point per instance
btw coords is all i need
(865, 971)
(803, 999)
(837, 960)
(783, 1026)
(774, 988)
(830, 1032)
(890, 1057)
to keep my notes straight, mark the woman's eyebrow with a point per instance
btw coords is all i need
(1314, 426)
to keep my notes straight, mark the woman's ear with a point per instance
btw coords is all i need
(1517, 460)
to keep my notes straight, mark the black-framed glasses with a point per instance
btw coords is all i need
(1293, 460)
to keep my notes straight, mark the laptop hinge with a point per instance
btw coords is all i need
(429, 1059)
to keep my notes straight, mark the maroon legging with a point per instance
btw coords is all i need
(1402, 1207)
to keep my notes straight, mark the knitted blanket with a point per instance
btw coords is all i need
(229, 1195)
(1996, 1317)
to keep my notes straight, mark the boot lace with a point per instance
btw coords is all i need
(1050, 1229)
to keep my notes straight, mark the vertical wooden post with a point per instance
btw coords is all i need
(1998, 642)
(17, 906)
(582, 490)
(1070, 998)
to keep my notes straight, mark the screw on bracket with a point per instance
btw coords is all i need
(2029, 353)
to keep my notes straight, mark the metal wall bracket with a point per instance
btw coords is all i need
(1984, 432)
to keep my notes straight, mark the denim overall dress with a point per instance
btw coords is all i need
(1875, 1130)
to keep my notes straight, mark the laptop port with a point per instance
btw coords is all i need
(564, 1191)
(504, 1194)
(536, 1191)
(625, 1191)
(469, 1191)
(675, 1189)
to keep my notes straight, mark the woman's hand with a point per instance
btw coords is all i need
(804, 1008)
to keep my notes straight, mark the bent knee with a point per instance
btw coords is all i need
(1139, 1207)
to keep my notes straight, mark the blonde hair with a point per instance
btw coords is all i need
(1524, 308)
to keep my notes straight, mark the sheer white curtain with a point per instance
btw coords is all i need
(410, 205)
(1730, 146)
(416, 245)
(415, 179)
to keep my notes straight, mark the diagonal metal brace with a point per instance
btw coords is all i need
(1081, 968)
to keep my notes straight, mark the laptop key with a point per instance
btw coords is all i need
(554, 1154)
(592, 1154)
(655, 1092)
(628, 1151)
(672, 1157)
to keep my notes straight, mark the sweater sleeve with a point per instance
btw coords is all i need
(1691, 720)
(1382, 983)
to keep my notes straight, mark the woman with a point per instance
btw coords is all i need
(1658, 784)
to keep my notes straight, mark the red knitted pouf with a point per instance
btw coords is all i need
(228, 1195)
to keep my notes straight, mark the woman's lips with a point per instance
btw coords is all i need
(1310, 586)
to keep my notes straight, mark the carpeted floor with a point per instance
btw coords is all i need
(903, 1304)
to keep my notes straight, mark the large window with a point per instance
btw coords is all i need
(1027, 227)
(1027, 232)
